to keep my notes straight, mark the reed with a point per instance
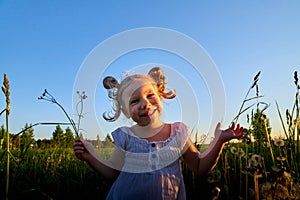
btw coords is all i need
(5, 89)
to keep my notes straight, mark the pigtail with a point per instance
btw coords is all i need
(111, 84)
(157, 74)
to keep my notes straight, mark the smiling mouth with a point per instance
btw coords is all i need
(147, 113)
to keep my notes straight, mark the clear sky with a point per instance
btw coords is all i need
(43, 44)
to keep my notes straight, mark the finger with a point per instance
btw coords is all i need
(238, 127)
(218, 127)
(232, 126)
(78, 142)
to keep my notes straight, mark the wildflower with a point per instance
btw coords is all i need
(256, 157)
(82, 95)
(210, 179)
(279, 142)
(241, 153)
(276, 169)
(214, 176)
(280, 158)
(252, 162)
(233, 150)
(255, 160)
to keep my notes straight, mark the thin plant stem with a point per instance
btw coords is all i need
(8, 156)
(281, 120)
(246, 184)
(48, 97)
(269, 143)
(5, 89)
(241, 110)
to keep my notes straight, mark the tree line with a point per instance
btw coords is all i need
(60, 139)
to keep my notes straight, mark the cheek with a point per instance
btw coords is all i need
(133, 109)
(158, 104)
(155, 101)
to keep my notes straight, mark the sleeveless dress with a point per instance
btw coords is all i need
(151, 170)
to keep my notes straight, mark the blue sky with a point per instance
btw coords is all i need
(43, 44)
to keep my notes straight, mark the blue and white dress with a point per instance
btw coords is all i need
(151, 170)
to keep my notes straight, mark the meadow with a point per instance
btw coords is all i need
(258, 166)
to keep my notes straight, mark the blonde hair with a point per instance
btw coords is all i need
(115, 90)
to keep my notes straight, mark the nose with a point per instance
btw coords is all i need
(145, 104)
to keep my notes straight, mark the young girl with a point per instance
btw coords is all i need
(145, 161)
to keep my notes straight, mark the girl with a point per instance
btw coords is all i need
(145, 161)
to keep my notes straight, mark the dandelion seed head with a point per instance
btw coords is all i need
(280, 158)
(210, 179)
(241, 153)
(276, 169)
(279, 142)
(233, 150)
(252, 162)
(256, 157)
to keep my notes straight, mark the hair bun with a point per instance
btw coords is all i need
(159, 77)
(110, 82)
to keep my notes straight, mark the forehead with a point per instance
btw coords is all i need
(147, 88)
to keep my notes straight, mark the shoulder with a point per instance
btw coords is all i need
(120, 136)
(180, 127)
(120, 131)
(180, 135)
(180, 131)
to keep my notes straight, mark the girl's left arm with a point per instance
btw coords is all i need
(203, 163)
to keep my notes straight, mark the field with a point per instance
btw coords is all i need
(257, 167)
(58, 174)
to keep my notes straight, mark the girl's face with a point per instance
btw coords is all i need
(145, 105)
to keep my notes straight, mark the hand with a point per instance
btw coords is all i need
(83, 149)
(234, 132)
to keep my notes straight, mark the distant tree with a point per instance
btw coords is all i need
(108, 142)
(69, 138)
(27, 137)
(260, 128)
(43, 144)
(58, 137)
(16, 142)
(108, 138)
(99, 142)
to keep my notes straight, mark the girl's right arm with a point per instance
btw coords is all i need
(109, 168)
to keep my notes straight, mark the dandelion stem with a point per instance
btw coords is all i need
(269, 143)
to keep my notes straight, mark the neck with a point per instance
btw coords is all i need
(149, 130)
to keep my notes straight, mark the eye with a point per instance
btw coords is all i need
(133, 101)
(150, 95)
